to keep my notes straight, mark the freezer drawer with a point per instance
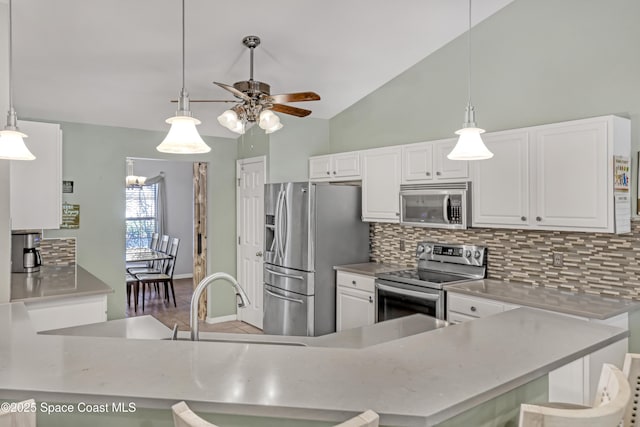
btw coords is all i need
(287, 313)
(300, 282)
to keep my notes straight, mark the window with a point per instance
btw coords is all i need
(142, 208)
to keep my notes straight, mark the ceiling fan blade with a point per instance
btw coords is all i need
(293, 97)
(234, 91)
(208, 100)
(287, 109)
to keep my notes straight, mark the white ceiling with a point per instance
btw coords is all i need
(117, 62)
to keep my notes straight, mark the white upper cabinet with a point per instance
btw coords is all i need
(335, 167)
(571, 176)
(381, 173)
(36, 185)
(500, 188)
(426, 162)
(551, 177)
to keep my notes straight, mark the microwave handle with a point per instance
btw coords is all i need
(445, 214)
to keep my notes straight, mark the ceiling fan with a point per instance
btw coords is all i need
(255, 102)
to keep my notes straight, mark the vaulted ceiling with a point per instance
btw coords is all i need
(118, 62)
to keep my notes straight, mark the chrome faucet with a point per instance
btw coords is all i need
(244, 299)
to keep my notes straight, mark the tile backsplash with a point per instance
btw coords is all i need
(60, 252)
(598, 263)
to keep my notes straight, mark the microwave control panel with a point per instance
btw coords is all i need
(455, 212)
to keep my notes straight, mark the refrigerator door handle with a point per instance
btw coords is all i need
(299, 301)
(276, 237)
(288, 276)
(285, 222)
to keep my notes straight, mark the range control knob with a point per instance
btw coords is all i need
(427, 249)
(420, 249)
(467, 253)
(476, 254)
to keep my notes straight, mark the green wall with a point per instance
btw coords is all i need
(533, 62)
(94, 158)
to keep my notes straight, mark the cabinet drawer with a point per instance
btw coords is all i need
(455, 318)
(356, 281)
(474, 307)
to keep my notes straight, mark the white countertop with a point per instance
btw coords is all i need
(56, 282)
(575, 303)
(413, 381)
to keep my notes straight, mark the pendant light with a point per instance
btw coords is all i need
(12, 146)
(183, 137)
(470, 145)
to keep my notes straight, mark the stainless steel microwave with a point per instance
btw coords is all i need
(436, 205)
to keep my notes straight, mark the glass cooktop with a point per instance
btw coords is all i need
(426, 278)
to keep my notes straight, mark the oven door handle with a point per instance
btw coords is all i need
(406, 292)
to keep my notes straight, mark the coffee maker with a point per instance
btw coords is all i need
(25, 252)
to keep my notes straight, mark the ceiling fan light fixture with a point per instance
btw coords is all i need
(272, 129)
(237, 127)
(268, 119)
(228, 118)
(12, 146)
(183, 137)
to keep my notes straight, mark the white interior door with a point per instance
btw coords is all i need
(251, 174)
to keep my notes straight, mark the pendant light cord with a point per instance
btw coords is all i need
(469, 55)
(10, 59)
(183, 86)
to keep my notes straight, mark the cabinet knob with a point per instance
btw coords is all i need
(328, 173)
(370, 299)
(397, 213)
(259, 253)
(353, 282)
(473, 308)
(538, 218)
(523, 218)
(438, 173)
(334, 172)
(428, 173)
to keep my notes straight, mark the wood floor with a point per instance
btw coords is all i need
(169, 315)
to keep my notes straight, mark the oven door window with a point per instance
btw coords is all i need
(399, 302)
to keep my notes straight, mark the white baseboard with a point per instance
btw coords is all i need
(220, 319)
(183, 276)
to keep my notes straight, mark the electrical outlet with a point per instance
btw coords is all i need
(558, 259)
(402, 244)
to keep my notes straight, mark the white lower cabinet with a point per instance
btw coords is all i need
(355, 297)
(67, 312)
(575, 382)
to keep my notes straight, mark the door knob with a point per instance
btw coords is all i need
(259, 253)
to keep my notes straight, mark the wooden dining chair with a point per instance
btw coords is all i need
(185, 417)
(612, 397)
(165, 277)
(21, 418)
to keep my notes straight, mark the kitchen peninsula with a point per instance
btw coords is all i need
(58, 297)
(425, 379)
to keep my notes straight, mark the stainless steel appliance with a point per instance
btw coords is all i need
(436, 205)
(422, 290)
(309, 228)
(25, 252)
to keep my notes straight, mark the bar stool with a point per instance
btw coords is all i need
(612, 397)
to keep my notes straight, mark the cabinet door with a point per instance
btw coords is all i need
(500, 188)
(445, 168)
(571, 175)
(346, 165)
(354, 308)
(417, 163)
(381, 185)
(320, 168)
(36, 186)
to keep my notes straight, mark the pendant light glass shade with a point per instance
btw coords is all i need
(469, 145)
(183, 137)
(12, 146)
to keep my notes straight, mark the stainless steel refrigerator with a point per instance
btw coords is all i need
(309, 228)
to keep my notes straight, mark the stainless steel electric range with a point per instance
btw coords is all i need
(422, 290)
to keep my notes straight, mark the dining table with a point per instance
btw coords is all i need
(144, 255)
